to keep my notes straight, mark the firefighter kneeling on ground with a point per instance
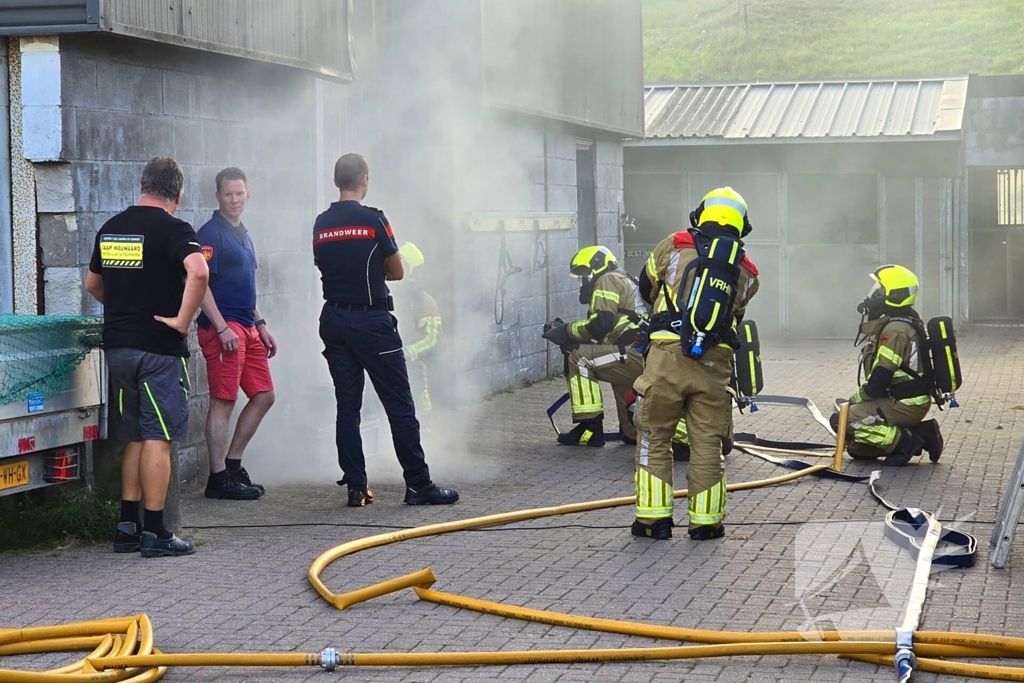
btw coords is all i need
(415, 305)
(887, 413)
(700, 282)
(600, 348)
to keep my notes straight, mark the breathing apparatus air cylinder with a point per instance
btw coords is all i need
(895, 291)
(709, 305)
(748, 376)
(946, 373)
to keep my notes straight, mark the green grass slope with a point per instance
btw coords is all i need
(691, 40)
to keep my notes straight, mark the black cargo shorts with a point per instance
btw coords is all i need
(150, 393)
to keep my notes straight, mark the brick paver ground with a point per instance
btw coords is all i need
(246, 590)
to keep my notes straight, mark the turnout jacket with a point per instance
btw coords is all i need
(893, 347)
(663, 279)
(615, 306)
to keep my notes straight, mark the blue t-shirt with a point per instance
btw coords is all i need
(350, 243)
(232, 260)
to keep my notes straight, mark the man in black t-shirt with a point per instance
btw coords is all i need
(148, 271)
(355, 250)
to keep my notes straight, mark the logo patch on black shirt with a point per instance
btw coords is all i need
(121, 251)
(355, 232)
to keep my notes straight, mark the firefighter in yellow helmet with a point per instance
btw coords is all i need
(699, 282)
(888, 411)
(600, 347)
(418, 306)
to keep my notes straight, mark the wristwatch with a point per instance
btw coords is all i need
(259, 322)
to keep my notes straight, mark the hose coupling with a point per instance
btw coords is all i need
(329, 659)
(905, 660)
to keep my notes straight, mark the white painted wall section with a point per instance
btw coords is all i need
(41, 99)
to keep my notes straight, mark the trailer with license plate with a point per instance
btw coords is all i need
(47, 426)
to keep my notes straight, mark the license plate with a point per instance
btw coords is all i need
(13, 474)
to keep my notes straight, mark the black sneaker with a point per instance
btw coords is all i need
(242, 477)
(230, 488)
(706, 532)
(431, 495)
(359, 496)
(171, 547)
(628, 441)
(126, 538)
(660, 530)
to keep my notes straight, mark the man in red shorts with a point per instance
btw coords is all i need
(234, 339)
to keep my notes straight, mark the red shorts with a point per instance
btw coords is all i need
(247, 367)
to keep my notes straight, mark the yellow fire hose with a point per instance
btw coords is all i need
(123, 649)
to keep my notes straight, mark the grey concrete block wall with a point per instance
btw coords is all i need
(493, 357)
(994, 132)
(130, 103)
(190, 107)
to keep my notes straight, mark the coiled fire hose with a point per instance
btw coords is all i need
(124, 650)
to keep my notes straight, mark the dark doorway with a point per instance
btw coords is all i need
(997, 244)
(586, 193)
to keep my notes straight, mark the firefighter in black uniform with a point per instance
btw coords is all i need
(355, 250)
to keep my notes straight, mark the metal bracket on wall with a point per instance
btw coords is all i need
(521, 222)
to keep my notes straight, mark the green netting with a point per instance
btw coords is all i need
(38, 353)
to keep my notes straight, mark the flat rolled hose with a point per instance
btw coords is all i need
(755, 440)
(798, 401)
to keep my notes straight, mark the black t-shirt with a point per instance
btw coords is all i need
(350, 243)
(139, 252)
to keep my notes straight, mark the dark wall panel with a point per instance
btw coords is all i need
(34, 17)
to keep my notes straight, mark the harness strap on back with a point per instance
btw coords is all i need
(923, 354)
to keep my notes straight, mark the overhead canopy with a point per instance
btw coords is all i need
(305, 34)
(795, 111)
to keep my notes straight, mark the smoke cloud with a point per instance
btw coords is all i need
(436, 153)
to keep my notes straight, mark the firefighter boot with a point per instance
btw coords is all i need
(659, 531)
(908, 445)
(706, 532)
(928, 432)
(586, 433)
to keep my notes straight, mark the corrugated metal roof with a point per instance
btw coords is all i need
(806, 110)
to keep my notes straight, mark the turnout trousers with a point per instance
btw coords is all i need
(874, 425)
(360, 343)
(671, 387)
(593, 363)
